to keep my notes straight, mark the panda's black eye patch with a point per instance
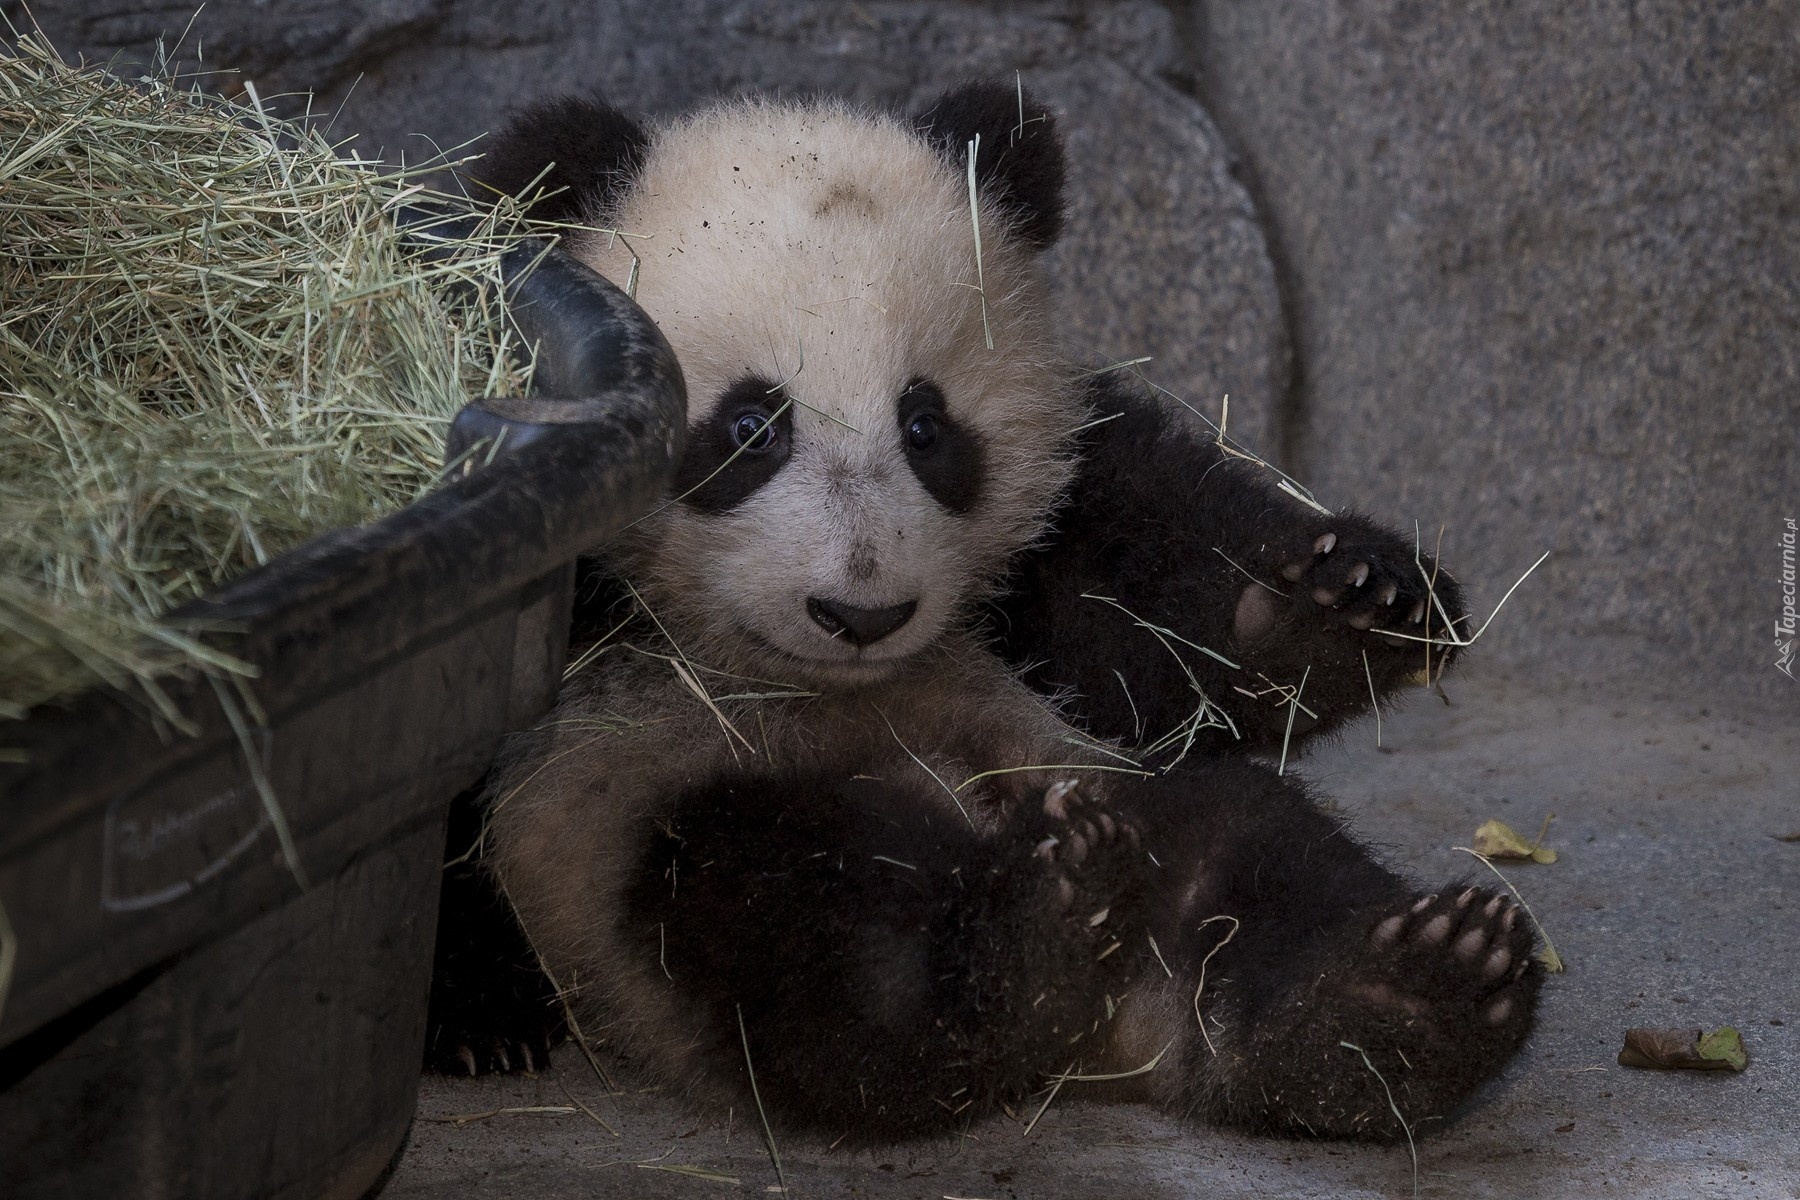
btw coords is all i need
(946, 457)
(737, 447)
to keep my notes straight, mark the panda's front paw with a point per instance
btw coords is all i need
(1095, 864)
(1084, 844)
(1359, 579)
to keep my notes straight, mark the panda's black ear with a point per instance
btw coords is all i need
(1019, 161)
(584, 151)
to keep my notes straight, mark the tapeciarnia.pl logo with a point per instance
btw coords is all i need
(1785, 631)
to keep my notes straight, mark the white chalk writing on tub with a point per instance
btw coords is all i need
(159, 849)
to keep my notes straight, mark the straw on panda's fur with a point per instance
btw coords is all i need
(214, 345)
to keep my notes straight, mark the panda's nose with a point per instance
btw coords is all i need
(859, 626)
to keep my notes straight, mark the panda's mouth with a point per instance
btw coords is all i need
(860, 664)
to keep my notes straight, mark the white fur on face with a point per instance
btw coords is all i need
(834, 250)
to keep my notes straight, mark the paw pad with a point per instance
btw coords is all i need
(1364, 584)
(1458, 960)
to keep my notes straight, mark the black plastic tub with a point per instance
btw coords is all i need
(185, 1018)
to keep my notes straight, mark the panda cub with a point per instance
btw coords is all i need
(909, 771)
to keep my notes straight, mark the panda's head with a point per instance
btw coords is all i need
(878, 419)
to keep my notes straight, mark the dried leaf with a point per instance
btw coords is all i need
(1684, 1050)
(1497, 839)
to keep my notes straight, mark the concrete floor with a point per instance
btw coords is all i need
(1674, 903)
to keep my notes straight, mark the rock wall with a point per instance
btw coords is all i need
(1544, 260)
(1528, 271)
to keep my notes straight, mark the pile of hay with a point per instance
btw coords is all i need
(214, 345)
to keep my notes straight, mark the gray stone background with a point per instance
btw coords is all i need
(1525, 269)
(1529, 271)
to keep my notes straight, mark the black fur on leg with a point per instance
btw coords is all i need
(492, 1008)
(897, 974)
(584, 151)
(1203, 543)
(1328, 947)
(1020, 160)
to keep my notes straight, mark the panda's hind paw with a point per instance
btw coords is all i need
(1403, 1023)
(1446, 983)
(469, 1053)
(1459, 963)
(506, 1027)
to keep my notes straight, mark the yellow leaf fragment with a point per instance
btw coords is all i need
(1497, 839)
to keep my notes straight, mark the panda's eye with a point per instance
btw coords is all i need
(753, 432)
(943, 452)
(922, 431)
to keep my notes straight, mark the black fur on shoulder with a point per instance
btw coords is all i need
(578, 148)
(1020, 159)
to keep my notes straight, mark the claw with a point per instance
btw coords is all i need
(1417, 614)
(530, 1063)
(1359, 575)
(1424, 902)
(1390, 593)
(467, 1057)
(1325, 543)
